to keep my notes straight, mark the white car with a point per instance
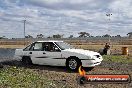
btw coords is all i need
(58, 53)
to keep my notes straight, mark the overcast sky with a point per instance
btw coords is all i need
(68, 17)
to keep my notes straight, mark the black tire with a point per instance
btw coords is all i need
(26, 60)
(77, 64)
(1, 65)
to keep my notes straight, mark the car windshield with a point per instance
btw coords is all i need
(64, 45)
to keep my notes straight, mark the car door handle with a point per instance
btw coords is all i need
(44, 53)
(30, 52)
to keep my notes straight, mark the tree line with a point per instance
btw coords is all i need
(81, 35)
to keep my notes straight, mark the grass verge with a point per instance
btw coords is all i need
(118, 58)
(19, 77)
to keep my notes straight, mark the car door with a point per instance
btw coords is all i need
(53, 55)
(36, 53)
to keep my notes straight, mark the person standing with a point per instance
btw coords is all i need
(106, 48)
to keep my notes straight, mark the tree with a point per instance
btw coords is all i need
(91, 36)
(28, 36)
(3, 37)
(106, 35)
(129, 34)
(58, 36)
(118, 36)
(49, 37)
(83, 34)
(98, 36)
(71, 36)
(40, 36)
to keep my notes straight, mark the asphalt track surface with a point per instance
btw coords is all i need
(6, 54)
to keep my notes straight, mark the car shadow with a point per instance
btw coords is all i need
(40, 67)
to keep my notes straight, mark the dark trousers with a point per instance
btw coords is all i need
(105, 51)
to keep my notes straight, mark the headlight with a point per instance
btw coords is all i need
(96, 56)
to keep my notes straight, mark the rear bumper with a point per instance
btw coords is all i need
(18, 58)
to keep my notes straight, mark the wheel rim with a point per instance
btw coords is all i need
(72, 64)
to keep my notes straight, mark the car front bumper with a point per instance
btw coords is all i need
(91, 63)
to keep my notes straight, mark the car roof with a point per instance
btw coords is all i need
(49, 41)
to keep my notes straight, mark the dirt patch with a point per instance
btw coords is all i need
(61, 76)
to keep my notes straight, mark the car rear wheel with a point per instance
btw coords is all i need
(1, 66)
(73, 64)
(26, 60)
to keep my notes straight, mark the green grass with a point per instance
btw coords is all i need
(118, 58)
(19, 77)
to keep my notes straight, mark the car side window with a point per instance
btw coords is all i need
(36, 47)
(27, 48)
(51, 47)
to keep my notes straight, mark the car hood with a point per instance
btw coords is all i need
(81, 51)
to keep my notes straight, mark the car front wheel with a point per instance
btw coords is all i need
(73, 64)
